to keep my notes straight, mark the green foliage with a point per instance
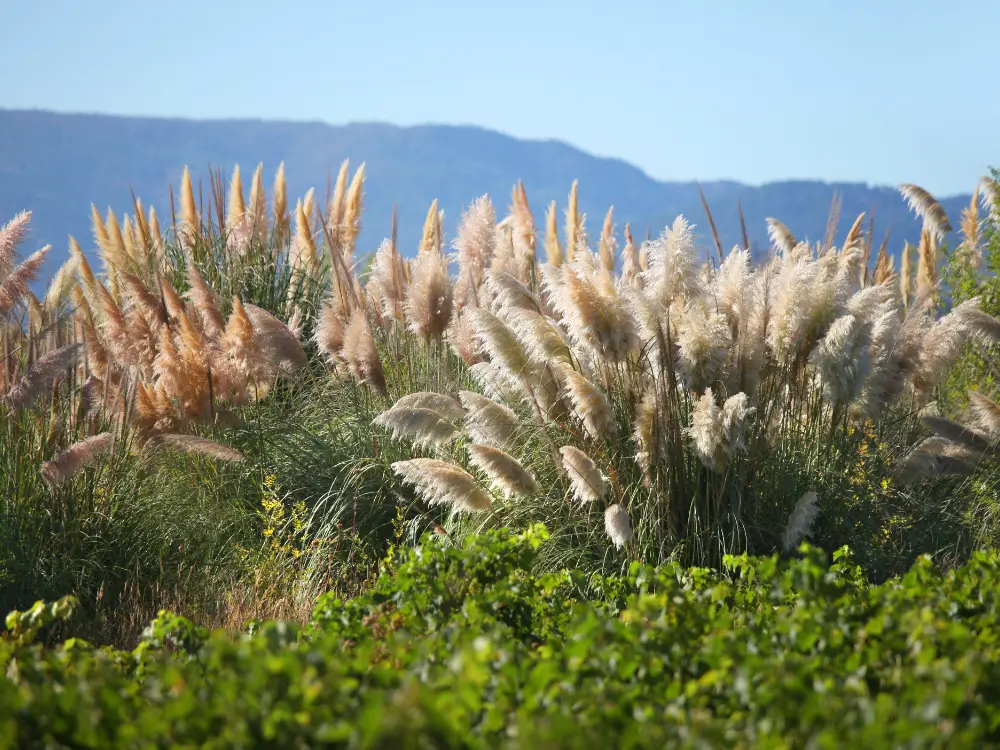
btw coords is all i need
(465, 647)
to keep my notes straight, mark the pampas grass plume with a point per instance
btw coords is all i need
(443, 483)
(585, 479)
(617, 525)
(505, 472)
(800, 521)
(75, 459)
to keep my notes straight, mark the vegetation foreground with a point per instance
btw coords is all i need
(465, 647)
(238, 419)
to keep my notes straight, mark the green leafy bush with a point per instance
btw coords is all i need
(464, 647)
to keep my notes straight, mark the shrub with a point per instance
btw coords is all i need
(465, 647)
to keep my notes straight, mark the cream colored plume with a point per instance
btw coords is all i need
(361, 355)
(190, 229)
(673, 272)
(617, 525)
(75, 459)
(800, 521)
(475, 245)
(586, 480)
(553, 250)
(488, 422)
(590, 405)
(924, 205)
(593, 311)
(500, 343)
(719, 433)
(505, 473)
(196, 445)
(446, 406)
(443, 483)
(423, 427)
(607, 245)
(781, 236)
(387, 282)
(934, 457)
(430, 297)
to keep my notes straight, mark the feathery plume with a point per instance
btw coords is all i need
(644, 434)
(61, 286)
(15, 287)
(924, 205)
(590, 404)
(906, 275)
(703, 342)
(257, 210)
(855, 235)
(630, 259)
(430, 297)
(352, 212)
(969, 250)
(430, 240)
(592, 310)
(673, 269)
(607, 244)
(11, 235)
(574, 224)
(487, 422)
(800, 521)
(190, 220)
(276, 342)
(446, 406)
(585, 479)
(475, 245)
(198, 445)
(505, 473)
(423, 427)
(781, 236)
(280, 205)
(842, 359)
(338, 201)
(387, 281)
(927, 277)
(985, 414)
(989, 190)
(617, 525)
(500, 343)
(237, 206)
(361, 355)
(75, 459)
(960, 434)
(462, 338)
(933, 457)
(303, 258)
(204, 302)
(329, 333)
(443, 483)
(553, 251)
(719, 432)
(40, 376)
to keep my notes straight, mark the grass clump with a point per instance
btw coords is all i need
(236, 412)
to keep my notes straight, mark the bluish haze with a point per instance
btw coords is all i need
(855, 90)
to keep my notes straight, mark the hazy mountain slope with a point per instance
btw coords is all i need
(57, 164)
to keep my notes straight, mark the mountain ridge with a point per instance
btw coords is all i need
(57, 164)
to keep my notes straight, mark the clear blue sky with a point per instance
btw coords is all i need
(880, 91)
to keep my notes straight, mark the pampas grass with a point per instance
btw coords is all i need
(651, 407)
(443, 483)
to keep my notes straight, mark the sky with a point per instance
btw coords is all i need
(876, 91)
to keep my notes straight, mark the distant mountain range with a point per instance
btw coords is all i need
(56, 165)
